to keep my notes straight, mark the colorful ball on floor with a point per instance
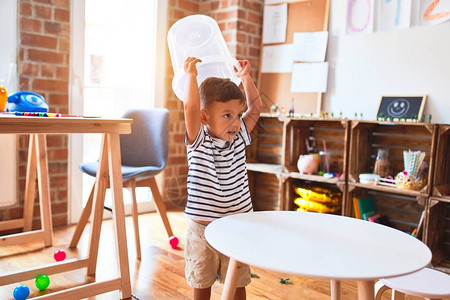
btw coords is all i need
(173, 240)
(59, 255)
(21, 292)
(42, 282)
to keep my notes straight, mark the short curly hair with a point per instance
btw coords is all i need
(215, 89)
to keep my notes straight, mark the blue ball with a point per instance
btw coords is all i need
(21, 292)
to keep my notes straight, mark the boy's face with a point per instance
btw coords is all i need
(223, 119)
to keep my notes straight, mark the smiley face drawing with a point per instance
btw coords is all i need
(398, 108)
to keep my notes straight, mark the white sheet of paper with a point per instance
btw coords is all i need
(310, 46)
(274, 1)
(277, 59)
(439, 14)
(275, 23)
(394, 14)
(309, 78)
(360, 16)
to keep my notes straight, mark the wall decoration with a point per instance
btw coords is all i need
(434, 11)
(277, 59)
(360, 16)
(275, 23)
(309, 78)
(394, 14)
(398, 107)
(310, 46)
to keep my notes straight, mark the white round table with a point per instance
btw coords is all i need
(316, 245)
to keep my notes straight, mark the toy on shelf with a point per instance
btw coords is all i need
(317, 199)
(308, 164)
(410, 178)
(382, 163)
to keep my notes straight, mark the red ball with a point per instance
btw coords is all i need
(173, 240)
(59, 255)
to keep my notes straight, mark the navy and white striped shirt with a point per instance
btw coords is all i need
(217, 180)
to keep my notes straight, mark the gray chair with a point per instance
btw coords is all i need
(144, 154)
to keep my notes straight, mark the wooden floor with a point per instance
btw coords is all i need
(160, 272)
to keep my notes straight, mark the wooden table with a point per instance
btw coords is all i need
(109, 168)
(316, 245)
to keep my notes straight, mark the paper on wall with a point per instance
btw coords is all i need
(434, 12)
(360, 16)
(394, 14)
(274, 1)
(310, 46)
(309, 78)
(277, 59)
(275, 23)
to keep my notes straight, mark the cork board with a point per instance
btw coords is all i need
(303, 16)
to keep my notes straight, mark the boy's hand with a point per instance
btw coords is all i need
(190, 65)
(245, 68)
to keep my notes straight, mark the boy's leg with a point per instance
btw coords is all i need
(202, 294)
(202, 262)
(240, 294)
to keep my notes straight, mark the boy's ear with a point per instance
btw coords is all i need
(203, 118)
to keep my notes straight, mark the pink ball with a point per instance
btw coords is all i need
(173, 240)
(59, 255)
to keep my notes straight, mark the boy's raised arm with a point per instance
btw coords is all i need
(254, 103)
(191, 100)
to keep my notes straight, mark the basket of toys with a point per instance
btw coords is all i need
(410, 178)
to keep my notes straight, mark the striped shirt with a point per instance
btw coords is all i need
(217, 180)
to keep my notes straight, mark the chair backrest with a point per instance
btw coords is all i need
(148, 143)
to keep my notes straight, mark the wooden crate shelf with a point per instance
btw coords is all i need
(367, 137)
(266, 190)
(267, 142)
(404, 212)
(272, 166)
(441, 185)
(437, 235)
(387, 189)
(332, 133)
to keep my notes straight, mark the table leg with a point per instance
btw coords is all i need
(99, 199)
(30, 185)
(44, 189)
(229, 288)
(335, 289)
(366, 290)
(116, 185)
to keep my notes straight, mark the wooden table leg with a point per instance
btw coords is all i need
(44, 190)
(99, 199)
(116, 185)
(30, 185)
(335, 289)
(229, 288)
(366, 290)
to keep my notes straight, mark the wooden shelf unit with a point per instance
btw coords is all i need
(438, 222)
(354, 144)
(367, 137)
(264, 159)
(405, 209)
(277, 145)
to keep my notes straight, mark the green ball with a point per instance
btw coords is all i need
(42, 282)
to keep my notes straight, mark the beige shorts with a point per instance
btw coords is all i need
(203, 263)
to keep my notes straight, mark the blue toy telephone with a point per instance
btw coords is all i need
(25, 101)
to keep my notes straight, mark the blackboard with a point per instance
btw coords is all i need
(397, 107)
